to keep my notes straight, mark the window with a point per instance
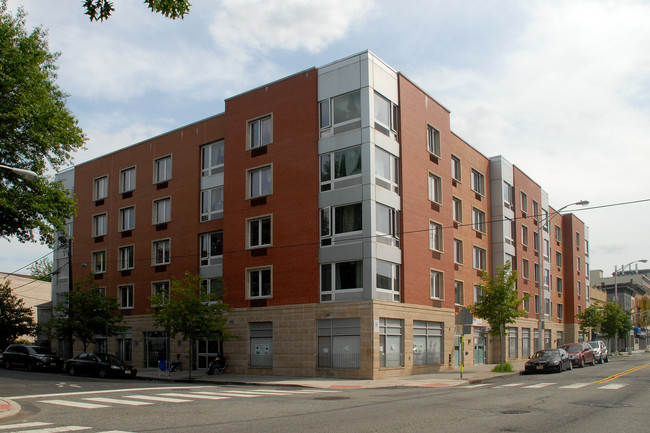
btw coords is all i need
(578, 265)
(347, 276)
(535, 211)
(127, 218)
(560, 338)
(261, 344)
(385, 115)
(579, 288)
(525, 342)
(547, 278)
(545, 219)
(388, 278)
(346, 171)
(212, 158)
(435, 188)
(558, 259)
(478, 182)
(480, 258)
(162, 210)
(162, 169)
(212, 204)
(339, 343)
(100, 188)
(260, 181)
(386, 169)
(127, 179)
(547, 249)
(126, 296)
(508, 196)
(536, 241)
(126, 257)
(437, 288)
(513, 341)
(161, 252)
(578, 241)
(433, 140)
(435, 236)
(524, 202)
(455, 168)
(340, 220)
(391, 342)
(558, 284)
(160, 288)
(458, 251)
(427, 343)
(259, 232)
(527, 302)
(387, 225)
(213, 287)
(536, 273)
(211, 248)
(99, 262)
(524, 236)
(340, 113)
(558, 233)
(586, 247)
(509, 231)
(478, 220)
(259, 283)
(478, 293)
(100, 224)
(260, 132)
(457, 209)
(548, 308)
(459, 295)
(525, 269)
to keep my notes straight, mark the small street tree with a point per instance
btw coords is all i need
(188, 310)
(616, 321)
(499, 303)
(87, 313)
(591, 319)
(15, 318)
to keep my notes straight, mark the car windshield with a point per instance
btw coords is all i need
(109, 358)
(573, 348)
(594, 344)
(42, 350)
(546, 354)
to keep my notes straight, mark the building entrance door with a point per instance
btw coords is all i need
(479, 346)
(155, 348)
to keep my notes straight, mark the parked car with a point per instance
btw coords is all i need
(600, 351)
(580, 354)
(99, 364)
(553, 360)
(31, 358)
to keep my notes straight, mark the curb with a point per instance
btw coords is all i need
(8, 408)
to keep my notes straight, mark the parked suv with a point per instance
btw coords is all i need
(600, 351)
(580, 354)
(30, 357)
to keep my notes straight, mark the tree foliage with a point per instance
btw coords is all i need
(591, 318)
(190, 311)
(15, 318)
(87, 313)
(37, 133)
(100, 10)
(41, 270)
(616, 321)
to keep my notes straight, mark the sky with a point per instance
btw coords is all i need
(559, 88)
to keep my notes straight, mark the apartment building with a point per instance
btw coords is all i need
(339, 216)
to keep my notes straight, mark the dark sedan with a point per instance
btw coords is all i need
(580, 354)
(549, 360)
(99, 364)
(30, 357)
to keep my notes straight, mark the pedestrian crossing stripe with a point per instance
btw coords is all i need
(117, 401)
(575, 386)
(204, 397)
(227, 394)
(30, 425)
(78, 404)
(539, 385)
(509, 385)
(158, 398)
(478, 385)
(24, 425)
(613, 386)
(58, 429)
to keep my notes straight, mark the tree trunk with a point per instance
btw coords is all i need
(503, 347)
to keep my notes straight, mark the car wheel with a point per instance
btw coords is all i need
(600, 360)
(607, 358)
(582, 363)
(593, 361)
(102, 373)
(7, 364)
(30, 366)
(72, 371)
(570, 366)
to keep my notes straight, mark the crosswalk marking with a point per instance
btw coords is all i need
(227, 394)
(539, 385)
(118, 401)
(24, 425)
(574, 386)
(78, 404)
(193, 395)
(613, 386)
(30, 425)
(59, 429)
(478, 385)
(158, 398)
(511, 385)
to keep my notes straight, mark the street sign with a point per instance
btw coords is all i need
(464, 317)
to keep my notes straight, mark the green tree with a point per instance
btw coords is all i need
(37, 133)
(100, 10)
(190, 311)
(616, 321)
(41, 270)
(15, 318)
(87, 313)
(591, 318)
(499, 303)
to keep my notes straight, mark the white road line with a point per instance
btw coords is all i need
(227, 394)
(117, 401)
(24, 425)
(78, 404)
(182, 395)
(114, 431)
(509, 385)
(58, 429)
(575, 386)
(108, 391)
(157, 398)
(613, 386)
(479, 385)
(539, 385)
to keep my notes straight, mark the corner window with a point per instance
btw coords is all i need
(388, 278)
(345, 170)
(259, 232)
(385, 115)
(162, 169)
(437, 287)
(435, 236)
(478, 182)
(99, 262)
(386, 170)
(127, 179)
(126, 258)
(212, 204)
(259, 283)
(100, 224)
(127, 218)
(162, 210)
(260, 132)
(211, 248)
(387, 225)
(340, 113)
(100, 188)
(508, 196)
(213, 287)
(126, 296)
(260, 182)
(212, 158)
(435, 188)
(161, 252)
(433, 141)
(346, 276)
(340, 220)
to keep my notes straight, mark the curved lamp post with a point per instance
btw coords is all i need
(25, 174)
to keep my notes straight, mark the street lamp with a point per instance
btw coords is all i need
(545, 222)
(25, 174)
(616, 296)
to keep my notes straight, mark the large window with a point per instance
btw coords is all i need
(127, 179)
(341, 276)
(162, 210)
(260, 181)
(435, 236)
(427, 343)
(391, 342)
(387, 225)
(211, 248)
(386, 170)
(126, 257)
(478, 182)
(340, 113)
(100, 225)
(340, 220)
(433, 141)
(100, 188)
(339, 343)
(388, 278)
(162, 169)
(478, 220)
(261, 344)
(259, 283)
(437, 285)
(260, 132)
(340, 169)
(127, 218)
(126, 296)
(435, 188)
(385, 115)
(212, 203)
(212, 158)
(99, 262)
(161, 252)
(480, 258)
(259, 232)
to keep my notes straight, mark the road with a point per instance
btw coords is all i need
(608, 397)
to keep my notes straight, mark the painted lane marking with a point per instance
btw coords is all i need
(613, 386)
(182, 395)
(539, 385)
(117, 401)
(78, 404)
(226, 394)
(623, 373)
(109, 391)
(157, 398)
(58, 429)
(24, 425)
(575, 386)
(479, 385)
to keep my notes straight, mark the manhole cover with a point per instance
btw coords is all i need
(331, 398)
(514, 411)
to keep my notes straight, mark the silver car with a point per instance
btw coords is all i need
(600, 351)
